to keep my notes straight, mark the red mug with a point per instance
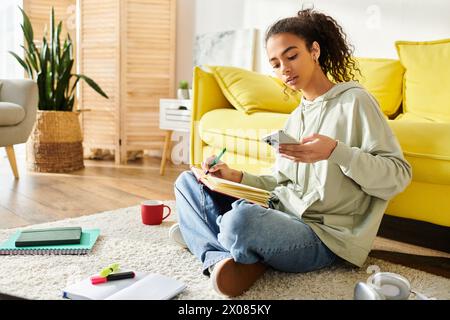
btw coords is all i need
(152, 212)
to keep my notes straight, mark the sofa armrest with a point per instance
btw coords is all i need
(25, 93)
(207, 96)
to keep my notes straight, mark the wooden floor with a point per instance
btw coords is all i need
(102, 185)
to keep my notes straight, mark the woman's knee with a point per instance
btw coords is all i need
(185, 180)
(240, 220)
(239, 229)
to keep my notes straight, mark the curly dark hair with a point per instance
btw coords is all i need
(335, 52)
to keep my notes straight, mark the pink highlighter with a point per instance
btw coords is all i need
(113, 277)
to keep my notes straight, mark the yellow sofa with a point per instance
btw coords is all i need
(424, 136)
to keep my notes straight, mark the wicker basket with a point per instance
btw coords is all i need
(55, 144)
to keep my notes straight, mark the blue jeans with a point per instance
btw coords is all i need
(216, 226)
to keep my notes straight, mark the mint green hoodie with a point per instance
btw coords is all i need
(344, 197)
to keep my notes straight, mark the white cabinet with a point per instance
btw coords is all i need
(174, 115)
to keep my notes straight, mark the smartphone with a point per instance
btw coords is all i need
(279, 137)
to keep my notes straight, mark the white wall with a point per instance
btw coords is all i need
(198, 17)
(185, 39)
(10, 38)
(219, 15)
(372, 26)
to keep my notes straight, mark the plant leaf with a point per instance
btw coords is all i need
(72, 90)
(52, 52)
(41, 80)
(57, 51)
(30, 68)
(69, 40)
(30, 50)
(62, 84)
(65, 59)
(70, 103)
(32, 59)
(43, 55)
(92, 84)
(51, 64)
(48, 88)
(27, 28)
(22, 63)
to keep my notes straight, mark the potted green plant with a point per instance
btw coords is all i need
(183, 90)
(55, 144)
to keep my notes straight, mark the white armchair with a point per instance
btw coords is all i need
(18, 107)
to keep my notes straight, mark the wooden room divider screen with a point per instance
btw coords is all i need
(128, 48)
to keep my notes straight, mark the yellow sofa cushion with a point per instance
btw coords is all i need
(241, 162)
(251, 92)
(412, 117)
(383, 78)
(427, 77)
(424, 202)
(239, 132)
(426, 147)
(207, 93)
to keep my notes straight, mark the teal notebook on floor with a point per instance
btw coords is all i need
(88, 239)
(49, 237)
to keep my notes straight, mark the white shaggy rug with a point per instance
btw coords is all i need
(125, 240)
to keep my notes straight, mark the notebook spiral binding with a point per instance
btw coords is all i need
(45, 252)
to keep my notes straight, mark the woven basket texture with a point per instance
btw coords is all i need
(55, 144)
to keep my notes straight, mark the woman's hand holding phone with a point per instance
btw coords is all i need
(312, 149)
(278, 137)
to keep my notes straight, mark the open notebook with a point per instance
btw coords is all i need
(142, 287)
(233, 189)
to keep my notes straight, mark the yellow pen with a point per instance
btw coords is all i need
(216, 160)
